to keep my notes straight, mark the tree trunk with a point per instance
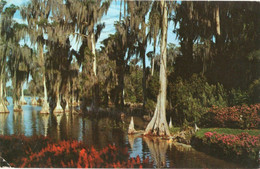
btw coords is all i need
(17, 107)
(33, 101)
(95, 82)
(67, 97)
(158, 125)
(144, 76)
(16, 94)
(45, 106)
(219, 39)
(131, 128)
(152, 62)
(3, 108)
(122, 86)
(58, 108)
(22, 100)
(217, 20)
(67, 108)
(94, 54)
(1, 88)
(170, 123)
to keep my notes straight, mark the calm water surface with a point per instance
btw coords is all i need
(99, 133)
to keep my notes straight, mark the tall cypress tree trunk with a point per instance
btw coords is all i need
(93, 47)
(219, 40)
(45, 106)
(58, 108)
(122, 86)
(217, 19)
(1, 88)
(158, 125)
(45, 90)
(144, 76)
(3, 108)
(95, 81)
(67, 107)
(22, 100)
(16, 94)
(143, 49)
(152, 66)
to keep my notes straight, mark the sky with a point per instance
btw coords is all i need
(109, 20)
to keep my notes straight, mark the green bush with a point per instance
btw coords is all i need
(192, 98)
(254, 91)
(153, 87)
(133, 86)
(150, 106)
(238, 97)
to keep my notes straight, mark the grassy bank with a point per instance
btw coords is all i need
(174, 130)
(202, 131)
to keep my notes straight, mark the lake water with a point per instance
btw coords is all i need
(104, 131)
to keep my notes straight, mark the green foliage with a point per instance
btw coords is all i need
(238, 97)
(230, 57)
(27, 92)
(254, 91)
(202, 131)
(150, 105)
(9, 91)
(44, 22)
(133, 88)
(11, 10)
(2, 4)
(192, 98)
(174, 130)
(18, 26)
(153, 87)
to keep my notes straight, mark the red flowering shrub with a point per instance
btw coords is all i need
(72, 154)
(235, 146)
(13, 148)
(246, 117)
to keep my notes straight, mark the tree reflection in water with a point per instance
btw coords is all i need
(3, 117)
(45, 119)
(157, 147)
(18, 122)
(131, 140)
(58, 117)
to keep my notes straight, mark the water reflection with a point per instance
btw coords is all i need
(58, 117)
(45, 118)
(158, 148)
(18, 122)
(101, 132)
(3, 117)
